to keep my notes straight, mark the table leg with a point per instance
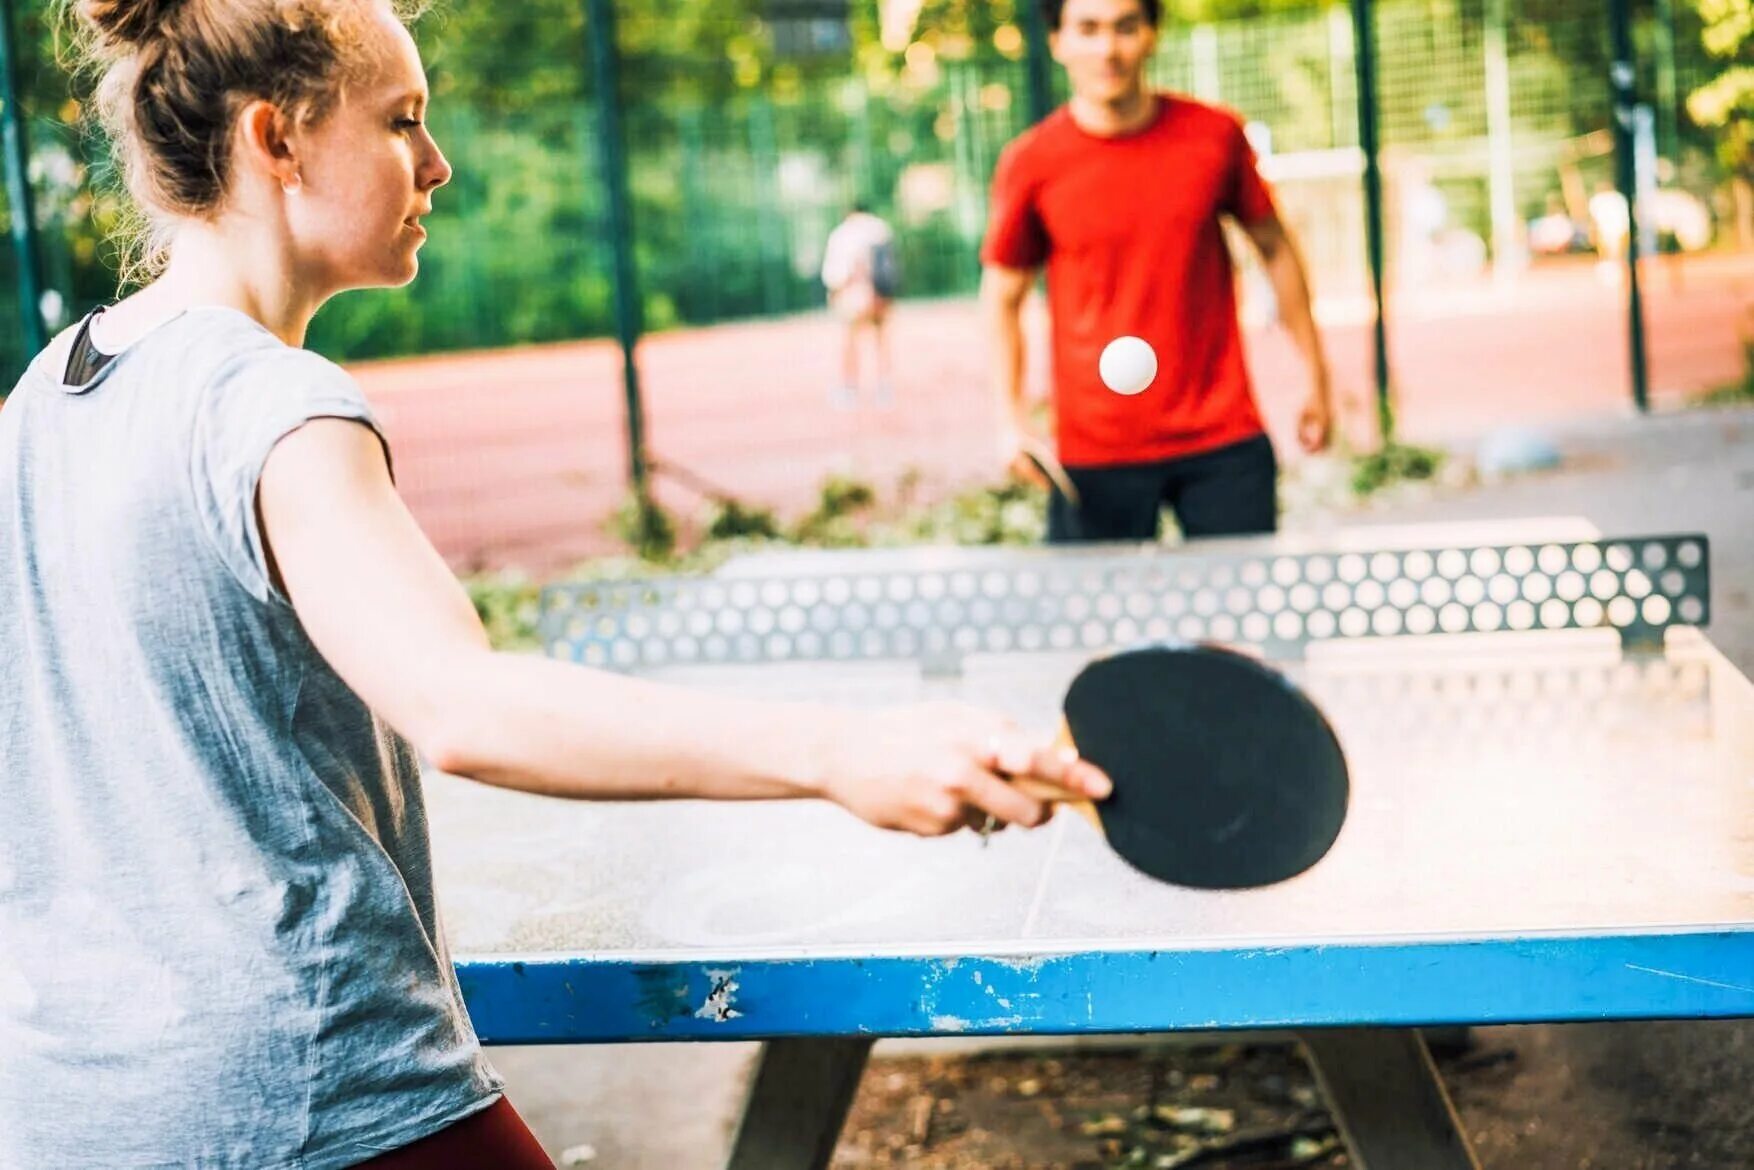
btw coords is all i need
(798, 1102)
(1384, 1092)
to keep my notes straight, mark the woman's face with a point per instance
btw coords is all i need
(367, 171)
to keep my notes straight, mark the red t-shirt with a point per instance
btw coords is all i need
(1129, 230)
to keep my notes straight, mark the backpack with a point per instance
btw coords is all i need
(885, 269)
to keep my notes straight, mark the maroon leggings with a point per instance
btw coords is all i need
(495, 1137)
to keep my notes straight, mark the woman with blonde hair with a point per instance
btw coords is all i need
(228, 646)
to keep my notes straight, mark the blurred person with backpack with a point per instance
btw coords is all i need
(862, 273)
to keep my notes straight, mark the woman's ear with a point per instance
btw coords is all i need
(266, 146)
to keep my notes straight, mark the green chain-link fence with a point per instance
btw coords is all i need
(742, 159)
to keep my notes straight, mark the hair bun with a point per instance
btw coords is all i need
(129, 23)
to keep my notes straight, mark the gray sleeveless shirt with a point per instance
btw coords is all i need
(218, 939)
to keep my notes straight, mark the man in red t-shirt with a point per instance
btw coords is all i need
(1119, 194)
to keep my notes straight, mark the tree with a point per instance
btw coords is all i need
(1727, 101)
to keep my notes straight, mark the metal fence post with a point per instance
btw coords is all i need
(1507, 243)
(1668, 88)
(1623, 83)
(1364, 61)
(16, 145)
(1038, 60)
(764, 152)
(612, 155)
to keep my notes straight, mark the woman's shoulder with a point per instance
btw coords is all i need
(51, 360)
(246, 355)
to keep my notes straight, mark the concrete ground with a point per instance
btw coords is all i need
(1650, 1095)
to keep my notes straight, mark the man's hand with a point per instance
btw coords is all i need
(1283, 266)
(1014, 445)
(1315, 422)
(1024, 469)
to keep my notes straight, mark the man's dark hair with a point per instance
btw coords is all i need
(1053, 10)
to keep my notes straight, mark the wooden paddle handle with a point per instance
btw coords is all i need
(1053, 794)
(1045, 462)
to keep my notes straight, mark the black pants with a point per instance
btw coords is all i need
(1232, 491)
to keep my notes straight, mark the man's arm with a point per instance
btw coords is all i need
(1003, 293)
(1284, 267)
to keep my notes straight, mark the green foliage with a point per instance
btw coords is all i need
(1736, 393)
(1394, 463)
(1214, 10)
(1729, 25)
(507, 604)
(1727, 100)
(850, 513)
(842, 515)
(506, 60)
(841, 494)
(1012, 514)
(645, 527)
(734, 520)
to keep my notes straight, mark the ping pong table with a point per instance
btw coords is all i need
(1552, 818)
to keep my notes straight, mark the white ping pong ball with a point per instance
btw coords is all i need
(1128, 365)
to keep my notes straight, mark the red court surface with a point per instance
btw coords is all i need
(516, 457)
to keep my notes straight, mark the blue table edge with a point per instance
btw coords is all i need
(568, 999)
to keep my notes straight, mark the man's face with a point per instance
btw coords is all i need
(1104, 45)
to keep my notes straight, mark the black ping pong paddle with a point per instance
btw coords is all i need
(1226, 775)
